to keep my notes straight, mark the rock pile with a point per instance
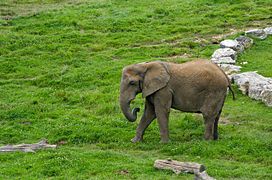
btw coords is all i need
(268, 30)
(257, 33)
(255, 86)
(250, 83)
(226, 55)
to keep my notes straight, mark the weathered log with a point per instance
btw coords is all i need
(186, 167)
(27, 147)
(178, 167)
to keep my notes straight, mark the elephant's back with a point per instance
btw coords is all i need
(199, 66)
(201, 73)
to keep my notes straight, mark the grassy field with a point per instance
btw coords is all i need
(60, 69)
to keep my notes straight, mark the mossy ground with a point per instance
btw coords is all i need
(60, 68)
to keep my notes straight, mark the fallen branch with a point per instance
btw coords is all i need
(27, 147)
(186, 167)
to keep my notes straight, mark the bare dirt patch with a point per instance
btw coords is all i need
(123, 172)
(225, 121)
(219, 37)
(10, 9)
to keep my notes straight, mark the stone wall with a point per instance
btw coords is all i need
(250, 83)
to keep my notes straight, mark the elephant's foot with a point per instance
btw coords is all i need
(136, 139)
(209, 137)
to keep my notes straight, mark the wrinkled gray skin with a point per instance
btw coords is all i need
(196, 86)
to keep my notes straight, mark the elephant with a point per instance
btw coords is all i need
(198, 86)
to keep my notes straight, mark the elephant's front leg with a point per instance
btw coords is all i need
(162, 102)
(148, 116)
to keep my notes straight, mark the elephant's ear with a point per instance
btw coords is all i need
(156, 77)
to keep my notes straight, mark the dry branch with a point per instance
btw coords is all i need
(27, 147)
(187, 167)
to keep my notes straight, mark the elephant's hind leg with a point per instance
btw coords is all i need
(215, 127)
(211, 111)
(209, 126)
(148, 116)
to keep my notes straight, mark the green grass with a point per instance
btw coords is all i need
(258, 58)
(60, 68)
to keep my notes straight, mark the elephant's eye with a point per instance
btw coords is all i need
(132, 82)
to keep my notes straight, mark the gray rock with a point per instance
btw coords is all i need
(223, 60)
(268, 30)
(255, 86)
(254, 91)
(266, 95)
(233, 44)
(244, 41)
(228, 43)
(224, 56)
(250, 78)
(257, 33)
(230, 69)
(224, 52)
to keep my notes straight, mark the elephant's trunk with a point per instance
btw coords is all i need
(131, 115)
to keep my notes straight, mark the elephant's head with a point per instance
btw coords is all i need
(145, 78)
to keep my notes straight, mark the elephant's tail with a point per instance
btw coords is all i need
(233, 95)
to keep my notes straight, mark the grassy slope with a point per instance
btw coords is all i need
(59, 77)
